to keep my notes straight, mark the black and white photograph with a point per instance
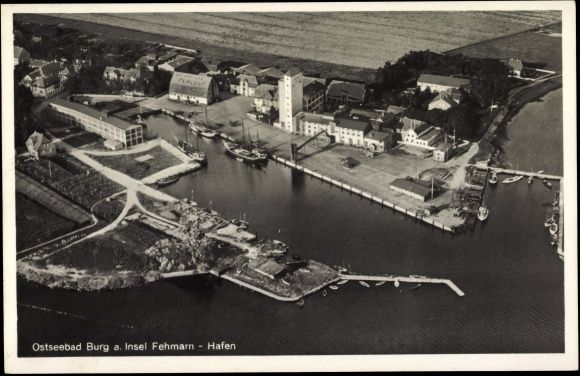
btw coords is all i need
(208, 187)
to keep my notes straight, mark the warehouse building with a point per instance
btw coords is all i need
(195, 88)
(98, 122)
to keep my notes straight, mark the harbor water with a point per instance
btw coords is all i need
(512, 277)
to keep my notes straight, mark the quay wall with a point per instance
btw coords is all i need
(364, 194)
(341, 185)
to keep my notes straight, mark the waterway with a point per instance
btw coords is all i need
(512, 277)
(534, 138)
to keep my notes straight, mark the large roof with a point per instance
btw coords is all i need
(318, 118)
(312, 88)
(252, 80)
(409, 123)
(377, 135)
(86, 110)
(248, 69)
(360, 124)
(271, 72)
(44, 82)
(266, 91)
(414, 186)
(190, 84)
(50, 69)
(365, 112)
(352, 90)
(435, 79)
(179, 61)
(293, 71)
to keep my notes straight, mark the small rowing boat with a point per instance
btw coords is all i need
(364, 284)
(547, 184)
(333, 287)
(342, 282)
(512, 179)
(380, 283)
(166, 181)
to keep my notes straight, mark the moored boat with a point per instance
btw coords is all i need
(380, 283)
(482, 213)
(554, 228)
(188, 149)
(364, 284)
(416, 286)
(239, 153)
(530, 180)
(168, 180)
(208, 133)
(547, 183)
(493, 179)
(512, 179)
(396, 283)
(342, 282)
(333, 287)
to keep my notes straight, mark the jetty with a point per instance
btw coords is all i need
(409, 279)
(524, 173)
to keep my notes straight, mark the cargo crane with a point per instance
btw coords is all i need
(295, 147)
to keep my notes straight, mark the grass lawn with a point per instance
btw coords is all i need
(36, 224)
(120, 249)
(530, 47)
(140, 165)
(82, 139)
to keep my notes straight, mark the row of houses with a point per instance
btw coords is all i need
(163, 58)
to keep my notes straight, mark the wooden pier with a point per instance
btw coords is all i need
(409, 279)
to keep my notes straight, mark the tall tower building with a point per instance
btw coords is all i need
(290, 99)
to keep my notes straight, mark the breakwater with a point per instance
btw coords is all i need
(409, 279)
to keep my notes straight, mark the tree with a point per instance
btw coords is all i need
(24, 120)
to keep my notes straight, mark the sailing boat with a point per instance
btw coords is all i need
(186, 148)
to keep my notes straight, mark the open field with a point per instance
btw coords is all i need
(36, 224)
(120, 249)
(71, 178)
(140, 165)
(313, 41)
(530, 47)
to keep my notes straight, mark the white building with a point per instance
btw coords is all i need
(418, 133)
(438, 83)
(108, 127)
(195, 88)
(351, 130)
(290, 100)
(445, 100)
(266, 98)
